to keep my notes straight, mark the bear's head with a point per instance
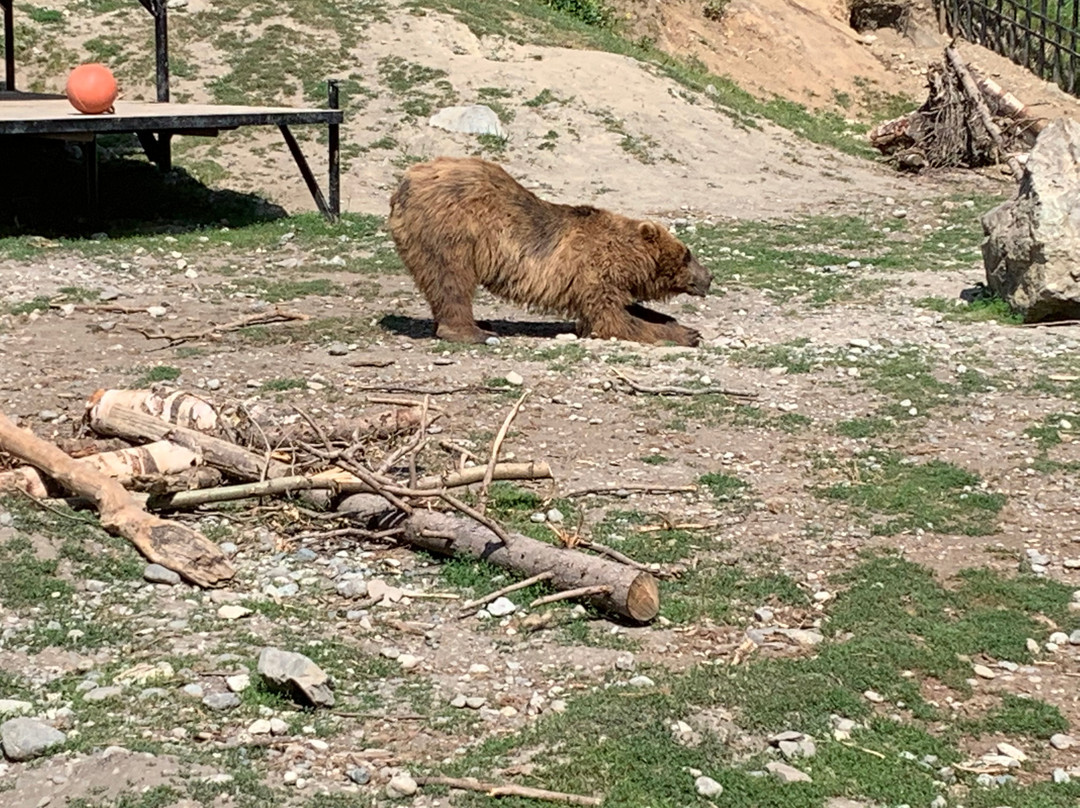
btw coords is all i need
(677, 271)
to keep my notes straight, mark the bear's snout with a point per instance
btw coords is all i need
(700, 279)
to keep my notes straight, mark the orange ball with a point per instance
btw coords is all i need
(91, 88)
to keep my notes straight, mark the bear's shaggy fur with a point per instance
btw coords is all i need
(459, 223)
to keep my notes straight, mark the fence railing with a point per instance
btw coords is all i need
(1041, 35)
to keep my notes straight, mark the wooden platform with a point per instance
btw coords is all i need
(22, 114)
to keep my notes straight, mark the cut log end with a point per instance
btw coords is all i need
(643, 598)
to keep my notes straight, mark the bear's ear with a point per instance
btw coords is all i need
(649, 231)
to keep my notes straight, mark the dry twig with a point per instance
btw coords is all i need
(492, 790)
(496, 444)
(643, 488)
(681, 391)
(569, 594)
(469, 605)
(279, 315)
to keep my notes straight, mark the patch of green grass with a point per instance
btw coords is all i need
(655, 459)
(895, 627)
(44, 16)
(590, 12)
(985, 307)
(282, 291)
(281, 385)
(1048, 433)
(1016, 717)
(619, 530)
(864, 428)
(158, 373)
(723, 487)
(493, 144)
(796, 356)
(725, 594)
(936, 496)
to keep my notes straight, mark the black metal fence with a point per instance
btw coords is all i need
(1041, 35)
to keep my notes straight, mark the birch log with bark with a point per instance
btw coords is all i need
(170, 544)
(633, 593)
(138, 426)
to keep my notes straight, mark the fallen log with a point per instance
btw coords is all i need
(177, 407)
(230, 458)
(124, 465)
(170, 544)
(633, 593)
(342, 482)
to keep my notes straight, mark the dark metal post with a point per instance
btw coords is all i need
(9, 45)
(305, 170)
(335, 152)
(161, 46)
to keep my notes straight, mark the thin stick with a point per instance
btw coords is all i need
(580, 592)
(318, 429)
(506, 590)
(279, 315)
(493, 458)
(493, 790)
(422, 391)
(401, 402)
(682, 391)
(1048, 324)
(412, 447)
(645, 487)
(622, 558)
(494, 527)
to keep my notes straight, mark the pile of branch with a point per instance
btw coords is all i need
(182, 453)
(967, 121)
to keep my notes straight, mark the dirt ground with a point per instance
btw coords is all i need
(703, 167)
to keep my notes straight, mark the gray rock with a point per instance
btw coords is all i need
(1061, 776)
(763, 614)
(1062, 741)
(641, 681)
(103, 693)
(785, 773)
(297, 675)
(352, 588)
(1032, 247)
(1038, 558)
(221, 701)
(476, 119)
(359, 775)
(228, 548)
(401, 785)
(337, 349)
(1074, 638)
(305, 554)
(27, 738)
(195, 691)
(157, 574)
(707, 787)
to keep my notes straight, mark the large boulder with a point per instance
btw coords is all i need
(1032, 247)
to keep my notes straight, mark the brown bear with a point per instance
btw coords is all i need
(459, 223)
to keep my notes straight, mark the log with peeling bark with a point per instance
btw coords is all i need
(633, 593)
(170, 544)
(159, 457)
(177, 407)
(230, 458)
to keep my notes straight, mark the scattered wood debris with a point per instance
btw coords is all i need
(967, 121)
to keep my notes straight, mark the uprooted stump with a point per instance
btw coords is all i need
(1032, 246)
(967, 121)
(631, 593)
